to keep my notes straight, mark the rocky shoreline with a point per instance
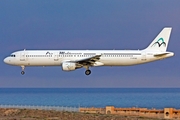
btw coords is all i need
(35, 114)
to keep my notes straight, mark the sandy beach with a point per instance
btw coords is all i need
(35, 114)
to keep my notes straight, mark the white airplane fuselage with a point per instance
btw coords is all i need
(73, 59)
(108, 57)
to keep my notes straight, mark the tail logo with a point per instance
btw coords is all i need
(160, 42)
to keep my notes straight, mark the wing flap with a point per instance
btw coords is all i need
(89, 60)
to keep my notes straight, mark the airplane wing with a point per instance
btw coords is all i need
(89, 60)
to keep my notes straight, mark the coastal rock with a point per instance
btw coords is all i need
(10, 112)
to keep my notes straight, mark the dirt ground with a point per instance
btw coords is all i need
(30, 114)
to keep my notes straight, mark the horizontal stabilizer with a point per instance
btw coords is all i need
(163, 54)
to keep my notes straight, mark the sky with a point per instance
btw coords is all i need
(86, 25)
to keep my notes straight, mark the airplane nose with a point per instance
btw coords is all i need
(6, 60)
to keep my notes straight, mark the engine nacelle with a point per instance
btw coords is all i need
(68, 66)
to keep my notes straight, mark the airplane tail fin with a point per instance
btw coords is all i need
(161, 41)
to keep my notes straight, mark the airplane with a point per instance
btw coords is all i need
(71, 60)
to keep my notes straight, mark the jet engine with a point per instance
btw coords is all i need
(68, 66)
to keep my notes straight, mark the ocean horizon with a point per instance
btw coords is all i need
(158, 98)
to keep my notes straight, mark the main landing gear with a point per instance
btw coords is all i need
(88, 72)
(22, 72)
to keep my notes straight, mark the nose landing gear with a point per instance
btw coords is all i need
(22, 72)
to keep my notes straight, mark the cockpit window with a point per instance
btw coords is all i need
(12, 55)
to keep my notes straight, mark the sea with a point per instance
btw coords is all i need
(157, 98)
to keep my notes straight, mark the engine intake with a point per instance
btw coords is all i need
(68, 66)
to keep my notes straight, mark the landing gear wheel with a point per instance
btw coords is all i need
(22, 72)
(88, 72)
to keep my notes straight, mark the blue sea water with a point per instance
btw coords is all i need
(92, 97)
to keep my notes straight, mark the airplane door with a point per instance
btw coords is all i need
(22, 56)
(143, 56)
(56, 57)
